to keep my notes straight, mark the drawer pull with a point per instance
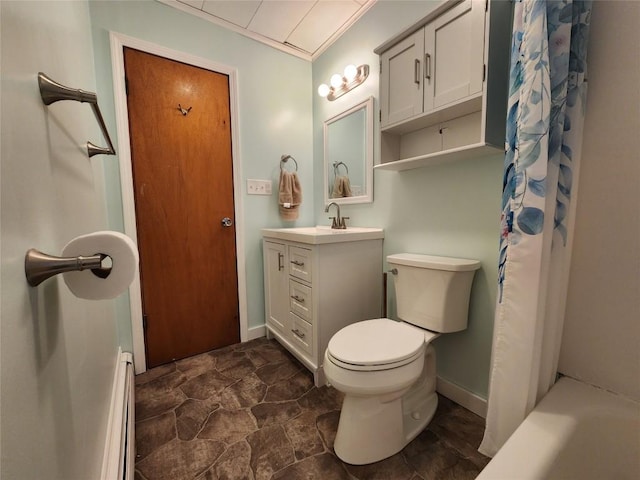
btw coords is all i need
(297, 298)
(280, 261)
(298, 333)
(297, 263)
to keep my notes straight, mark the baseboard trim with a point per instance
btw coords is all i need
(256, 332)
(118, 458)
(465, 398)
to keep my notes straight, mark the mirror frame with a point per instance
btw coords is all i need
(367, 197)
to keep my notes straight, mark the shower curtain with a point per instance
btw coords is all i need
(543, 141)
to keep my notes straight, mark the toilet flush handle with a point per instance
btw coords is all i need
(393, 271)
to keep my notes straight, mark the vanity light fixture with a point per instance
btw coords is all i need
(341, 84)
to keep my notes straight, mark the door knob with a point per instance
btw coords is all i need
(227, 222)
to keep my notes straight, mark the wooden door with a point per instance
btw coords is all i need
(180, 130)
(454, 54)
(401, 82)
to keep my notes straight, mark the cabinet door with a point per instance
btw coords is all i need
(454, 54)
(401, 80)
(276, 286)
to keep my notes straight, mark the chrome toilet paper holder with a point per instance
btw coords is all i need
(39, 266)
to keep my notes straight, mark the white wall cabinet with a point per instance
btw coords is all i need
(443, 85)
(312, 291)
(439, 64)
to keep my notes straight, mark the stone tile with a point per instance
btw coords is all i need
(320, 467)
(321, 400)
(229, 360)
(393, 467)
(194, 366)
(153, 433)
(191, 416)
(138, 476)
(461, 430)
(253, 344)
(274, 413)
(206, 385)
(234, 464)
(154, 373)
(246, 393)
(159, 395)
(228, 426)
(273, 373)
(304, 436)
(292, 388)
(271, 352)
(239, 370)
(327, 425)
(434, 460)
(181, 460)
(271, 451)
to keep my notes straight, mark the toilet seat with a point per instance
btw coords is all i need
(378, 344)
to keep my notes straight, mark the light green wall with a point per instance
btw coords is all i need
(275, 117)
(450, 210)
(58, 352)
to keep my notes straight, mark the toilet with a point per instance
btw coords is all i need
(386, 368)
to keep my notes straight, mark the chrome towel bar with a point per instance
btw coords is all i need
(52, 91)
(39, 266)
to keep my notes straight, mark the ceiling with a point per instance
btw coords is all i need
(304, 28)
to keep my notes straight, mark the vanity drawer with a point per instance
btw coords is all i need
(300, 300)
(300, 263)
(301, 334)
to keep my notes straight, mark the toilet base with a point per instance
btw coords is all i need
(372, 429)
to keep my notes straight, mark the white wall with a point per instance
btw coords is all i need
(601, 341)
(57, 352)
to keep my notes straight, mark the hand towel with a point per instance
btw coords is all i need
(341, 187)
(289, 195)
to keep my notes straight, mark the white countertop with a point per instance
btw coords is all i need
(323, 234)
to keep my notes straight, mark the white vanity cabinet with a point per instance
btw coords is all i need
(443, 85)
(315, 285)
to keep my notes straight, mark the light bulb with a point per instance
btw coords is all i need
(350, 72)
(323, 90)
(336, 80)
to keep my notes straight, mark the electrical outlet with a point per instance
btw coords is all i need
(258, 187)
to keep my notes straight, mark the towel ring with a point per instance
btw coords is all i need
(284, 159)
(336, 165)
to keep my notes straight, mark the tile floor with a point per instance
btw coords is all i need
(250, 411)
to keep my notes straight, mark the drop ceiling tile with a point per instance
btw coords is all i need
(193, 3)
(324, 19)
(276, 19)
(237, 12)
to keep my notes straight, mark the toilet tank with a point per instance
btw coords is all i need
(433, 292)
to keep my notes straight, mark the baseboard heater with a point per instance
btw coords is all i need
(119, 455)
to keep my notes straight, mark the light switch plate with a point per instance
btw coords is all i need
(258, 187)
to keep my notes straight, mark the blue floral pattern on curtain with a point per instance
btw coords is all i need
(543, 144)
(548, 66)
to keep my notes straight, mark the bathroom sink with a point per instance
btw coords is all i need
(323, 234)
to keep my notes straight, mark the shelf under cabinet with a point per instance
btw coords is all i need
(475, 150)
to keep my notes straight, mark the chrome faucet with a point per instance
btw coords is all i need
(337, 222)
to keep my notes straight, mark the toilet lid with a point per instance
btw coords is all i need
(376, 342)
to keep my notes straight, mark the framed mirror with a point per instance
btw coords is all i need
(348, 155)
